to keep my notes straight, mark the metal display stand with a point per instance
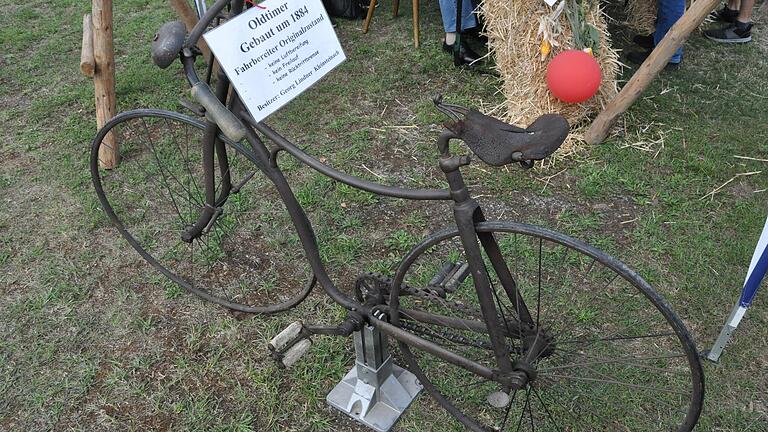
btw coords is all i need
(375, 392)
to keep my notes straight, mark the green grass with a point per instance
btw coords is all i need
(94, 339)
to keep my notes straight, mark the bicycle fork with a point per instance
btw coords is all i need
(467, 213)
(514, 375)
(213, 147)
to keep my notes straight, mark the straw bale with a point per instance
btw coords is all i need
(512, 27)
(641, 15)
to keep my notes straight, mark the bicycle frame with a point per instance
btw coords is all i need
(467, 213)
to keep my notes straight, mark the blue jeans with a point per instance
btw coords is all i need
(668, 13)
(448, 11)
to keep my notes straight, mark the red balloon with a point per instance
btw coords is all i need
(573, 76)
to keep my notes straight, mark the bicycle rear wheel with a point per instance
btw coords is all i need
(618, 358)
(248, 258)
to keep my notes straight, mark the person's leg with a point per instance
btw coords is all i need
(669, 12)
(448, 12)
(745, 11)
(468, 21)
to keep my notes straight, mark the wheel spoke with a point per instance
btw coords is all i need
(538, 295)
(522, 412)
(506, 411)
(613, 338)
(608, 381)
(156, 191)
(546, 409)
(614, 346)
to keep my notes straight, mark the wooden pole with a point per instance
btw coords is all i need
(648, 71)
(87, 63)
(763, 11)
(104, 78)
(188, 16)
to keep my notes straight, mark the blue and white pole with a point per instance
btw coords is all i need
(201, 8)
(757, 270)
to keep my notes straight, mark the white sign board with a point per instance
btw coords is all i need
(276, 50)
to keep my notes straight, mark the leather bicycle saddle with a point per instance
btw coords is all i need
(498, 143)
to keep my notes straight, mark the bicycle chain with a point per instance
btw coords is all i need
(382, 285)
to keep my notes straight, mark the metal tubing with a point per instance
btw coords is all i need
(226, 174)
(459, 324)
(303, 227)
(463, 214)
(207, 211)
(210, 142)
(413, 194)
(502, 271)
(434, 349)
(222, 89)
(211, 130)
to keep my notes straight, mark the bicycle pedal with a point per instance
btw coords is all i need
(286, 337)
(439, 277)
(456, 277)
(450, 276)
(295, 352)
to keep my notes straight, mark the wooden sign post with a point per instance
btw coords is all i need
(104, 77)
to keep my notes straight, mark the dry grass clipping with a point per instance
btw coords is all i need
(512, 26)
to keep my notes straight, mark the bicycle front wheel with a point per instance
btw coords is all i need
(248, 258)
(617, 358)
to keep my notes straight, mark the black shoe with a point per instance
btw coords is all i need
(476, 34)
(644, 41)
(736, 33)
(466, 55)
(638, 57)
(726, 15)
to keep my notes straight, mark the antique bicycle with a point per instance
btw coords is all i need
(508, 326)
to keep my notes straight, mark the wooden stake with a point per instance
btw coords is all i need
(87, 63)
(188, 16)
(104, 78)
(648, 71)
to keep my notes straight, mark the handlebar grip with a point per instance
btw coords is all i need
(216, 112)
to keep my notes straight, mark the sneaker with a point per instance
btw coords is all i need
(726, 15)
(644, 41)
(731, 34)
